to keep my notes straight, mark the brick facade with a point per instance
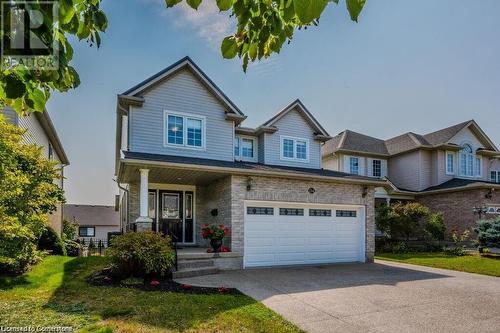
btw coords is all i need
(457, 207)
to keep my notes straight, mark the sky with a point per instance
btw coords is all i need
(406, 66)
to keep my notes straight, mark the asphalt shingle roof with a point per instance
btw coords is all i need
(457, 182)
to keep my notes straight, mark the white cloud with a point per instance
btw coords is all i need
(208, 22)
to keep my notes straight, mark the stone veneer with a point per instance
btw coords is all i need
(457, 207)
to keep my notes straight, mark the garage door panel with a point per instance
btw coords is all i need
(287, 240)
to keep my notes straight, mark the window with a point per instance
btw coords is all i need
(292, 211)
(478, 166)
(260, 211)
(185, 131)
(320, 212)
(189, 206)
(345, 213)
(467, 161)
(50, 152)
(236, 146)
(247, 148)
(152, 205)
(450, 163)
(377, 168)
(288, 148)
(194, 128)
(301, 149)
(86, 231)
(354, 165)
(294, 149)
(495, 176)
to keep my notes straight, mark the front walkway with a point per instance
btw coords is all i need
(379, 297)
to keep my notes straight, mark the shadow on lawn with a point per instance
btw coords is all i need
(127, 308)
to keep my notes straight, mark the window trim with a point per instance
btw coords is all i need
(185, 117)
(450, 153)
(240, 156)
(86, 227)
(497, 173)
(294, 158)
(460, 160)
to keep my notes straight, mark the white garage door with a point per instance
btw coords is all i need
(293, 234)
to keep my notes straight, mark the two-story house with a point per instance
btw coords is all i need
(41, 131)
(184, 160)
(452, 170)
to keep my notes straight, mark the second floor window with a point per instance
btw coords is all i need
(450, 163)
(185, 131)
(354, 165)
(466, 161)
(295, 148)
(495, 176)
(247, 148)
(377, 168)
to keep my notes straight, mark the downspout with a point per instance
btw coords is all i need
(128, 200)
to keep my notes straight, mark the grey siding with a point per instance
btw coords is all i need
(10, 115)
(182, 93)
(294, 125)
(262, 148)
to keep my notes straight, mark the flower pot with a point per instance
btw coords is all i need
(216, 244)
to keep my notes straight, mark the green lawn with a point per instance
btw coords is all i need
(55, 293)
(469, 263)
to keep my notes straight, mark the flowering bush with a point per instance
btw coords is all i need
(213, 231)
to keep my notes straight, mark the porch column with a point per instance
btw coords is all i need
(143, 222)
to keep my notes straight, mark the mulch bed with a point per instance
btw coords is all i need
(105, 278)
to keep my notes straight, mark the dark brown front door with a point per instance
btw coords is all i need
(170, 214)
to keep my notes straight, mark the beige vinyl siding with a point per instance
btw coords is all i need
(404, 171)
(425, 178)
(181, 93)
(467, 136)
(293, 125)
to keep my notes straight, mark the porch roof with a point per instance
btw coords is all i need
(202, 170)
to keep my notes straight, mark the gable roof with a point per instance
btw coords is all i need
(188, 63)
(300, 107)
(356, 142)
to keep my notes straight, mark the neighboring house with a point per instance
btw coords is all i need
(451, 170)
(183, 159)
(41, 131)
(96, 222)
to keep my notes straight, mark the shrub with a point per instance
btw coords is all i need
(400, 220)
(17, 247)
(69, 230)
(488, 233)
(141, 254)
(458, 248)
(435, 227)
(51, 241)
(72, 248)
(400, 247)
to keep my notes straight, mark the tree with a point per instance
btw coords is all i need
(488, 233)
(263, 26)
(27, 89)
(28, 194)
(69, 230)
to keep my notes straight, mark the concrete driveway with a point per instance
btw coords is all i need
(379, 297)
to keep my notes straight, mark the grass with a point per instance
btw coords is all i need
(55, 293)
(468, 263)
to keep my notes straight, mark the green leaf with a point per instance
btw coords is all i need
(100, 20)
(83, 31)
(229, 47)
(252, 51)
(355, 7)
(308, 10)
(194, 3)
(224, 4)
(66, 11)
(171, 3)
(14, 87)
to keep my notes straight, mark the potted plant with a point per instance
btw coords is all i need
(215, 233)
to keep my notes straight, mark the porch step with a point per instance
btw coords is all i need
(195, 263)
(191, 272)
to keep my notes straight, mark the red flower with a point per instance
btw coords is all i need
(154, 283)
(186, 286)
(224, 249)
(222, 290)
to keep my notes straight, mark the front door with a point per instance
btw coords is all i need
(170, 214)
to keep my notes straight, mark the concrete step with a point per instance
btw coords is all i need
(195, 263)
(194, 272)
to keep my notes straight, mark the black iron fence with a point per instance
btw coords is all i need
(92, 247)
